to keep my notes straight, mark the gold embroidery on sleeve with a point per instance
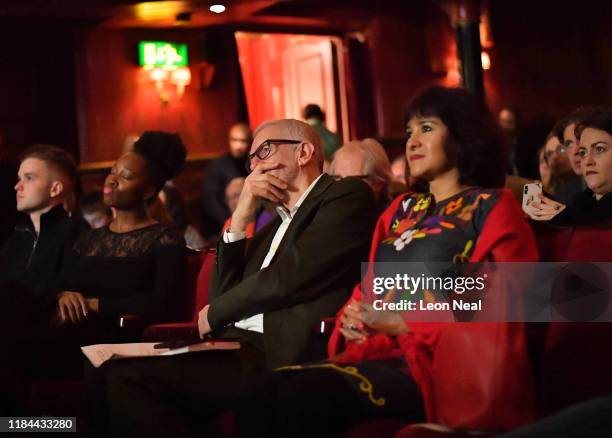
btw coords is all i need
(365, 385)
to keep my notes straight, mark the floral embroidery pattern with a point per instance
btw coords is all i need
(454, 206)
(468, 211)
(403, 225)
(423, 204)
(415, 224)
(464, 257)
(404, 239)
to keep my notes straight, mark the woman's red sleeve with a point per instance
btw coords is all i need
(336, 341)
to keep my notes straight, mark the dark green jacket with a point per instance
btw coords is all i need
(310, 277)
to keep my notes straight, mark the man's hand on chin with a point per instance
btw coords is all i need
(203, 325)
(258, 185)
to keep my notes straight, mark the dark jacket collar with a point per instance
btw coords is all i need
(324, 182)
(587, 210)
(53, 216)
(587, 196)
(606, 199)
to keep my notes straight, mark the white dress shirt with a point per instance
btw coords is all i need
(255, 322)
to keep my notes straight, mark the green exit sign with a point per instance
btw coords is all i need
(161, 54)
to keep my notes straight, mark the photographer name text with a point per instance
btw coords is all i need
(407, 305)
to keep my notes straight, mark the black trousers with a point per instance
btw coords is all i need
(324, 400)
(34, 349)
(172, 396)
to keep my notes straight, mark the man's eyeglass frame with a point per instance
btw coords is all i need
(260, 148)
(559, 150)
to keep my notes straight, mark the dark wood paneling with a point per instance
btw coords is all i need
(550, 57)
(118, 98)
(36, 87)
(407, 54)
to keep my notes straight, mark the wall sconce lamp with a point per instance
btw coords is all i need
(485, 59)
(158, 76)
(180, 77)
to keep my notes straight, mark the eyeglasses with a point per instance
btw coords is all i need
(559, 150)
(264, 150)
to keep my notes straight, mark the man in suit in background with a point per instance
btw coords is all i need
(270, 291)
(218, 174)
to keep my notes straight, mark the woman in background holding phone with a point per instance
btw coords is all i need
(594, 205)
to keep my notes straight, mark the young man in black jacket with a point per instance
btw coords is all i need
(32, 258)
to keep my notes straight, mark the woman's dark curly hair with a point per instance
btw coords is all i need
(598, 118)
(164, 154)
(473, 143)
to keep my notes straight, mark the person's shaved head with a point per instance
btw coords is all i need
(239, 138)
(292, 129)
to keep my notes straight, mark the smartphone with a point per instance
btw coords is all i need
(531, 194)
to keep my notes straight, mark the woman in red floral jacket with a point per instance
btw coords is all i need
(467, 375)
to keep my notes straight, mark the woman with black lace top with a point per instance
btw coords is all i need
(134, 265)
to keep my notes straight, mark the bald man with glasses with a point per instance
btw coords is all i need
(269, 292)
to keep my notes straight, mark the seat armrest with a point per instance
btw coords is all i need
(429, 430)
(130, 321)
(177, 331)
(131, 327)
